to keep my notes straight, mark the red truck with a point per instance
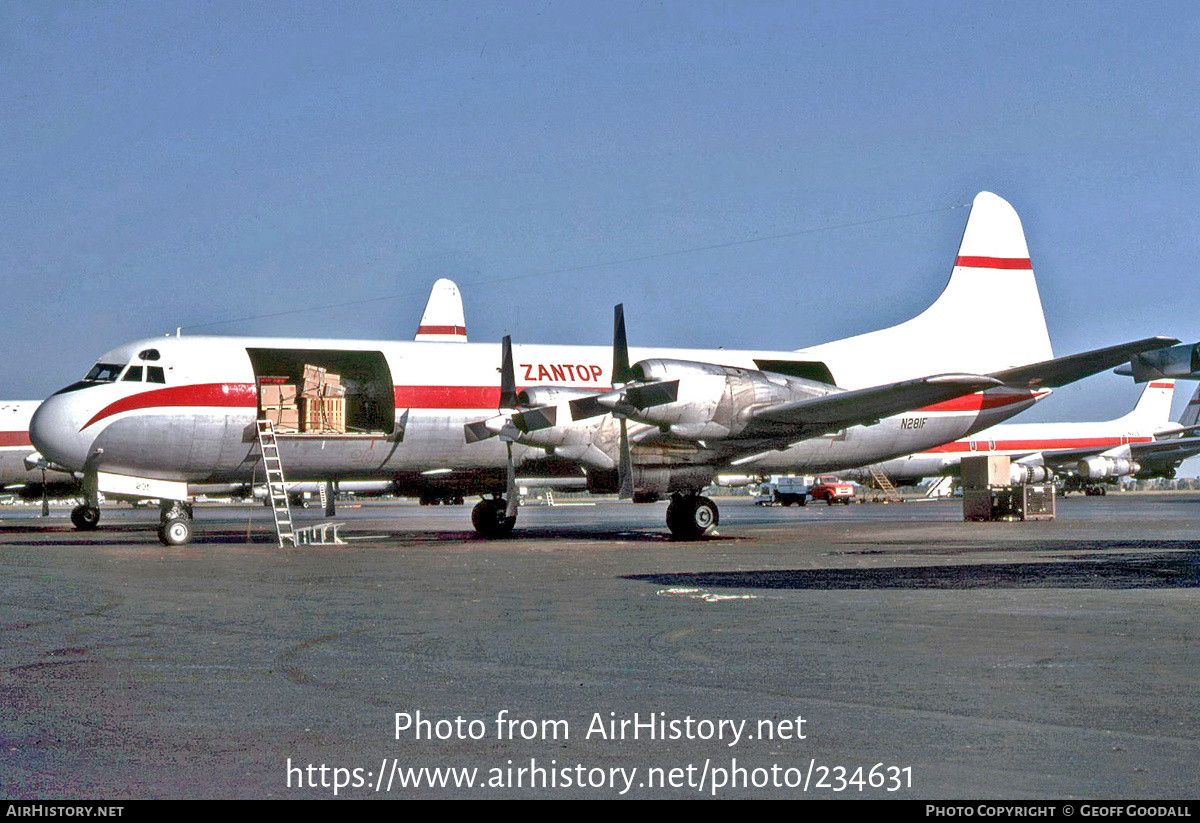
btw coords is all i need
(832, 490)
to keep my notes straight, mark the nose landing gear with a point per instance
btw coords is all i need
(175, 526)
(85, 517)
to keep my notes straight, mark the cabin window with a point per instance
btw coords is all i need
(133, 374)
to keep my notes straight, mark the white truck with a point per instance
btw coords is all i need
(782, 491)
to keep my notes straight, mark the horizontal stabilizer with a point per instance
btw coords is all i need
(864, 406)
(1063, 370)
(1177, 361)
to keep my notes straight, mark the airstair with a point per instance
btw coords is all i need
(941, 488)
(886, 487)
(276, 488)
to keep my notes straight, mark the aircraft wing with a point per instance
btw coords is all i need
(1179, 448)
(815, 416)
(1063, 370)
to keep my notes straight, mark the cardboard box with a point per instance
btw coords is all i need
(277, 395)
(314, 377)
(283, 418)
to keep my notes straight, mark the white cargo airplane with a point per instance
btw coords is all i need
(159, 414)
(1142, 443)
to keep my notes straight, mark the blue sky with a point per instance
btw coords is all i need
(184, 164)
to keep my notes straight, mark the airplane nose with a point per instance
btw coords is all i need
(54, 431)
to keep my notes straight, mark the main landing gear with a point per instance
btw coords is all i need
(175, 526)
(690, 516)
(488, 518)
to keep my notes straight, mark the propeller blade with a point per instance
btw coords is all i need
(541, 417)
(508, 380)
(626, 466)
(621, 372)
(652, 394)
(479, 430)
(510, 509)
(586, 407)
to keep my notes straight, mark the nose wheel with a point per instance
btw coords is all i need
(488, 518)
(176, 526)
(85, 517)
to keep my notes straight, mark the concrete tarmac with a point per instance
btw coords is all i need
(826, 652)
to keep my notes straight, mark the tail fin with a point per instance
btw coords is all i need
(1153, 408)
(988, 318)
(443, 320)
(1191, 413)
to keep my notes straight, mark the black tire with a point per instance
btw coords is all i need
(692, 517)
(85, 518)
(489, 521)
(175, 532)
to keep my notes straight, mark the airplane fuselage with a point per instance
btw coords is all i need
(193, 417)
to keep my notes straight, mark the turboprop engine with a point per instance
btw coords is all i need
(1099, 467)
(702, 400)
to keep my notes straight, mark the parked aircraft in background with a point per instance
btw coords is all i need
(1142, 443)
(19, 472)
(159, 414)
(443, 320)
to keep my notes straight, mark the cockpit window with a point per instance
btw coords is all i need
(148, 354)
(154, 374)
(104, 373)
(133, 374)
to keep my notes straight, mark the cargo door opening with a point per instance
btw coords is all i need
(324, 391)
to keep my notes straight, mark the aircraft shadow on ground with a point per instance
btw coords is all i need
(1168, 570)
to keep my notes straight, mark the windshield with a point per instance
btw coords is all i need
(104, 373)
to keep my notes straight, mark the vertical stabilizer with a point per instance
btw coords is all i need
(987, 319)
(1191, 413)
(443, 320)
(1153, 409)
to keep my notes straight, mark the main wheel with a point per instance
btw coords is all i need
(489, 521)
(86, 518)
(691, 517)
(175, 532)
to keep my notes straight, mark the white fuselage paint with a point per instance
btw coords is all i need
(199, 426)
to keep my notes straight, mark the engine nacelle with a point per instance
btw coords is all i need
(551, 426)
(1019, 474)
(1099, 467)
(713, 402)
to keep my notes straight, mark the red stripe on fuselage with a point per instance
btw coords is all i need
(244, 395)
(994, 262)
(1162, 385)
(460, 330)
(447, 397)
(978, 402)
(1034, 445)
(14, 439)
(202, 394)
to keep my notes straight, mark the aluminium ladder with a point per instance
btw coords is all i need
(276, 489)
(890, 495)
